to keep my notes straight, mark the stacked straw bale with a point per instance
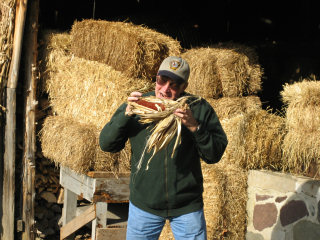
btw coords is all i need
(85, 93)
(53, 44)
(214, 199)
(85, 90)
(229, 107)
(229, 70)
(89, 91)
(301, 146)
(229, 77)
(137, 51)
(234, 202)
(75, 145)
(225, 219)
(256, 140)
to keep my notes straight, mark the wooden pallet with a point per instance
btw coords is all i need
(100, 188)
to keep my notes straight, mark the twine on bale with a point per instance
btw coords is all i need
(166, 124)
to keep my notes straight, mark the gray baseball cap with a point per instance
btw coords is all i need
(175, 68)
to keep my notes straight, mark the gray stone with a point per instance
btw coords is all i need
(254, 236)
(264, 216)
(310, 188)
(305, 230)
(319, 211)
(312, 210)
(292, 212)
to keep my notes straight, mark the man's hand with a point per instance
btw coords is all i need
(134, 96)
(187, 118)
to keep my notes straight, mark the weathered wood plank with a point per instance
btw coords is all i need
(28, 188)
(10, 128)
(8, 199)
(69, 206)
(77, 222)
(101, 218)
(82, 185)
(110, 189)
(100, 174)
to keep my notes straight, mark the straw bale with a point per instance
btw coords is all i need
(235, 201)
(303, 93)
(204, 79)
(225, 198)
(52, 45)
(132, 49)
(75, 145)
(303, 105)
(301, 146)
(166, 233)
(257, 141)
(89, 91)
(228, 70)
(301, 153)
(228, 107)
(214, 199)
(231, 126)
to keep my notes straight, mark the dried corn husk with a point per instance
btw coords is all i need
(166, 124)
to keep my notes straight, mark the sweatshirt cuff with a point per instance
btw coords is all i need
(199, 132)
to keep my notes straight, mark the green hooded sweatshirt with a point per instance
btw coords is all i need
(171, 186)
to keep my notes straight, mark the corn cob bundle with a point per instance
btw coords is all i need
(166, 123)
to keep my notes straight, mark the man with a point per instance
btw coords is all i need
(171, 188)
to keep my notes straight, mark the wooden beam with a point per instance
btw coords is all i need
(8, 201)
(111, 189)
(101, 174)
(28, 163)
(78, 222)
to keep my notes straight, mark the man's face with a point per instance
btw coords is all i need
(168, 88)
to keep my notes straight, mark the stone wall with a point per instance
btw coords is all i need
(282, 207)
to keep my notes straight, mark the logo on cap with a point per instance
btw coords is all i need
(174, 64)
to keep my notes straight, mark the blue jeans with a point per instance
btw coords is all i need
(146, 226)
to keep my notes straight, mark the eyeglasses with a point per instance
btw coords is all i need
(161, 80)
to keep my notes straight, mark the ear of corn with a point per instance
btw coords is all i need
(166, 125)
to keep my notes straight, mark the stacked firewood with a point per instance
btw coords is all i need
(49, 192)
(48, 199)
